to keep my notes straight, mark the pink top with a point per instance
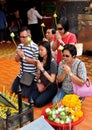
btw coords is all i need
(71, 38)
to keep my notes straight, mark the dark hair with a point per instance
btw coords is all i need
(71, 48)
(49, 56)
(33, 5)
(53, 31)
(64, 22)
(25, 28)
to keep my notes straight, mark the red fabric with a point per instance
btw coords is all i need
(54, 39)
(71, 38)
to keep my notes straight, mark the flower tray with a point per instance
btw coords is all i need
(57, 125)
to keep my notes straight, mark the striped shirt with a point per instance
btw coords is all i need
(30, 51)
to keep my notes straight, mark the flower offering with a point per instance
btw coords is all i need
(12, 35)
(43, 26)
(55, 18)
(66, 111)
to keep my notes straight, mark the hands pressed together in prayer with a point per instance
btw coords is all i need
(66, 69)
(59, 37)
(39, 65)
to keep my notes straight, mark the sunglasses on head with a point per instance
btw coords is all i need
(59, 28)
(66, 55)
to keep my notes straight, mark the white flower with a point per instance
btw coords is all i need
(60, 48)
(12, 35)
(57, 120)
(68, 120)
(62, 122)
(28, 39)
(47, 110)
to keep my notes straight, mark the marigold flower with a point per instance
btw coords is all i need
(68, 109)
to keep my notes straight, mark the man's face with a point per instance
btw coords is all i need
(49, 34)
(23, 37)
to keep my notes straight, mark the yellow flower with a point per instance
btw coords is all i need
(75, 118)
(73, 103)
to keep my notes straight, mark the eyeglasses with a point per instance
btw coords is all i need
(23, 36)
(66, 55)
(59, 28)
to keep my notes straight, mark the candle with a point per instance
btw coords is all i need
(4, 90)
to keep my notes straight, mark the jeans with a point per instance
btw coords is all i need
(43, 98)
(59, 96)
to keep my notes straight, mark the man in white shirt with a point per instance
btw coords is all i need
(33, 16)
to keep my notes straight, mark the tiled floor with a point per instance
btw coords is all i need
(9, 69)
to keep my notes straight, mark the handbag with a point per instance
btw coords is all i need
(41, 87)
(82, 91)
(26, 78)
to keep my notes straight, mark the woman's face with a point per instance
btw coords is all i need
(42, 51)
(67, 57)
(60, 29)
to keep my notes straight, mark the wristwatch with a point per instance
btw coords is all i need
(24, 57)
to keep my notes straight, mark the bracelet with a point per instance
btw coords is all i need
(43, 70)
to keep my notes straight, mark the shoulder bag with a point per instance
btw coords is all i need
(83, 91)
(27, 77)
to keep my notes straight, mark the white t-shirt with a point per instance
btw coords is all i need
(33, 16)
(54, 53)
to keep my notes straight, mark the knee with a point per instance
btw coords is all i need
(38, 103)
